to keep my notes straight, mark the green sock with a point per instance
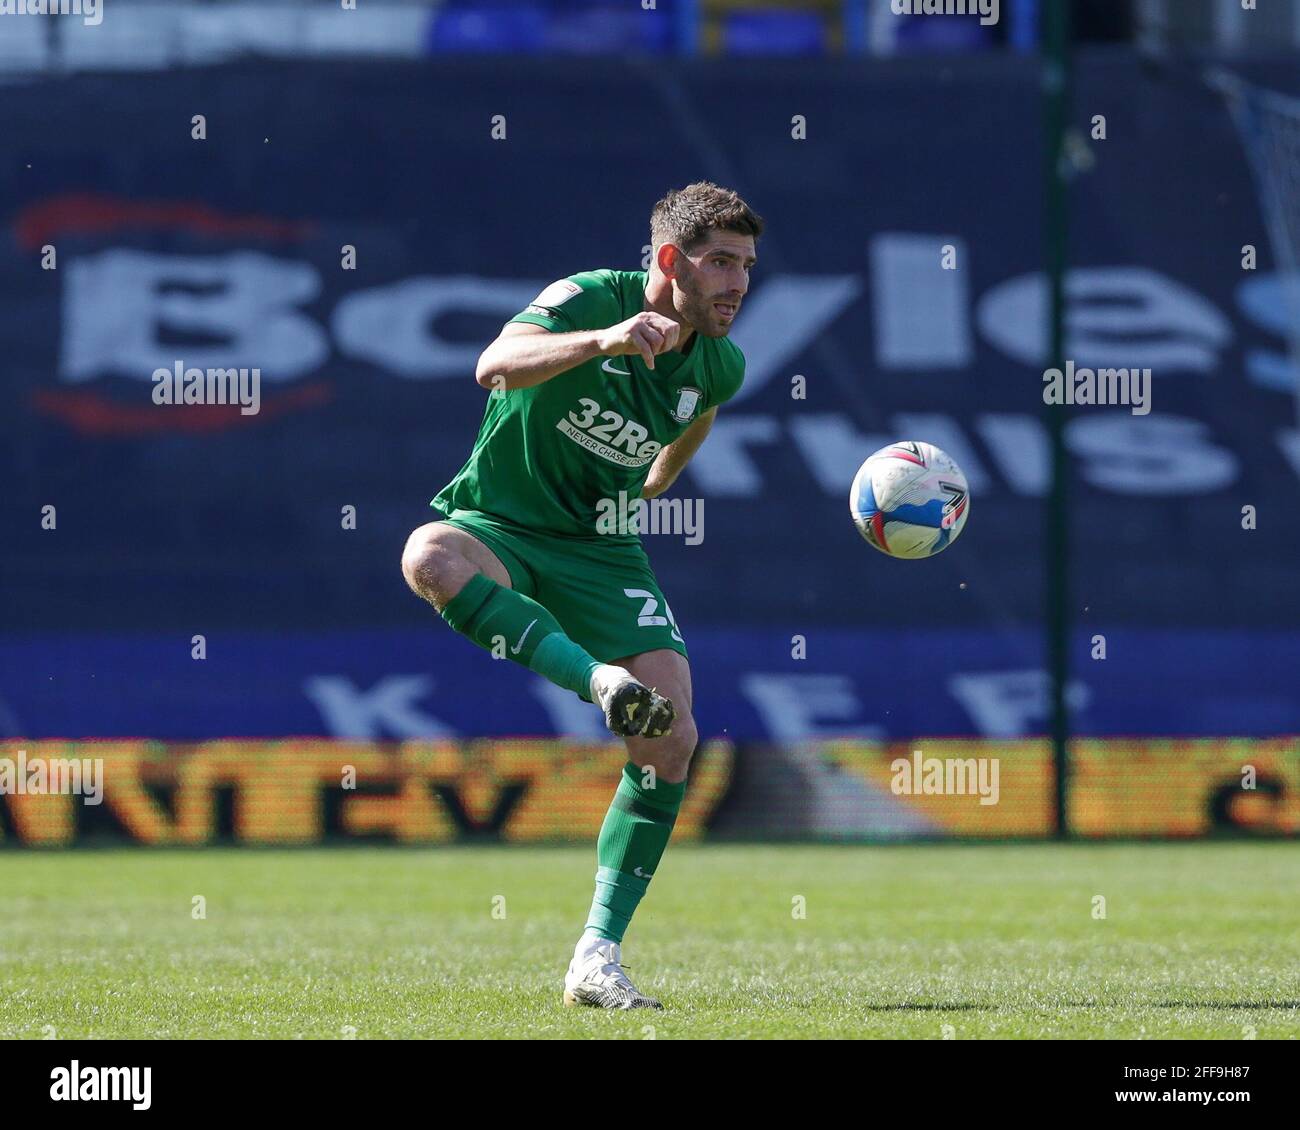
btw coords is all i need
(628, 850)
(519, 628)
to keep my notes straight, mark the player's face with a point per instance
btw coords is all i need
(712, 280)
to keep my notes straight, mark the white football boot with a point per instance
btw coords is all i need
(631, 709)
(596, 978)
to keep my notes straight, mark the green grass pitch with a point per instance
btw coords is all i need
(970, 941)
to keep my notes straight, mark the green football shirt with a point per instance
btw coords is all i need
(553, 458)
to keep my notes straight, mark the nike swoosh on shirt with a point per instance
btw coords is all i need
(515, 650)
(608, 366)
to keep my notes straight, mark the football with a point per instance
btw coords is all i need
(910, 500)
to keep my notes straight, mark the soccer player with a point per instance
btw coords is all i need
(608, 382)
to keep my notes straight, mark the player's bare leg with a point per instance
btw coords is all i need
(669, 673)
(470, 587)
(633, 838)
(439, 561)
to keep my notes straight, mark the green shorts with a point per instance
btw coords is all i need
(603, 592)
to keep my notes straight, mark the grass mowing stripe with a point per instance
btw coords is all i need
(1000, 941)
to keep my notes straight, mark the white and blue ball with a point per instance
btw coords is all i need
(910, 500)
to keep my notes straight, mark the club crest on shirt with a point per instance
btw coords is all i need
(687, 403)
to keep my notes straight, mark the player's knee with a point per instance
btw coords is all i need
(678, 747)
(426, 561)
(415, 556)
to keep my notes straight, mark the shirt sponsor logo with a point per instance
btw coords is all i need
(608, 434)
(602, 449)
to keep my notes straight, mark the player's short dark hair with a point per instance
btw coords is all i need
(686, 215)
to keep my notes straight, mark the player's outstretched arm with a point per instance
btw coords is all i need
(526, 354)
(669, 462)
